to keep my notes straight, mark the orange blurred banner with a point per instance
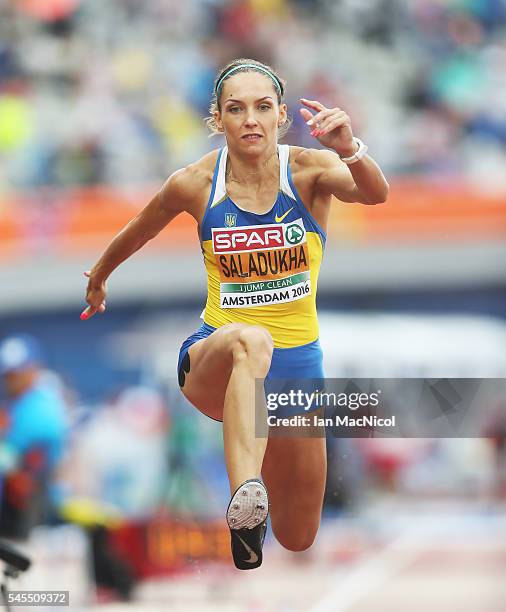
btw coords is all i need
(163, 546)
(418, 212)
(81, 221)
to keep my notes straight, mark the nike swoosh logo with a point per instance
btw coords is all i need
(253, 557)
(279, 219)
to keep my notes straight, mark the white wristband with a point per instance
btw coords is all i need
(362, 150)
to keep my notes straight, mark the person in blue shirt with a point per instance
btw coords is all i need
(33, 431)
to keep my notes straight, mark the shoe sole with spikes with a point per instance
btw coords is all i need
(247, 519)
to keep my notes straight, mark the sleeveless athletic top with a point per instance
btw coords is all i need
(262, 269)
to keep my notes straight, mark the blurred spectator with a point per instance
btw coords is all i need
(118, 457)
(16, 117)
(496, 434)
(32, 436)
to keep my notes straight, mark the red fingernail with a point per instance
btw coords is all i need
(83, 316)
(313, 133)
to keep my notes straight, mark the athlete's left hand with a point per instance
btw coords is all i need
(330, 126)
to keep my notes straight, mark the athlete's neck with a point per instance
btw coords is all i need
(252, 171)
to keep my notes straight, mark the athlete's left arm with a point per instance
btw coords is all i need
(362, 181)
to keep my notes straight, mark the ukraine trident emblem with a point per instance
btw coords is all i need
(230, 219)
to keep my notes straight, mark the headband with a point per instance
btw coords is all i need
(277, 82)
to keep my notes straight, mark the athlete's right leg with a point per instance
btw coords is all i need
(221, 384)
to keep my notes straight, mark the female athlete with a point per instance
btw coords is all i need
(261, 210)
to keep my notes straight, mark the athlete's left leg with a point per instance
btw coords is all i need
(294, 470)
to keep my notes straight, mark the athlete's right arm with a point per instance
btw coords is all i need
(176, 196)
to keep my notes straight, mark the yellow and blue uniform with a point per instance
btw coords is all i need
(262, 269)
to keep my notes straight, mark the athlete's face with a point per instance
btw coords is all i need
(250, 114)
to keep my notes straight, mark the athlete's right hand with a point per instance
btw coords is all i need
(95, 296)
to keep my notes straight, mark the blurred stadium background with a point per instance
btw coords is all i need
(99, 103)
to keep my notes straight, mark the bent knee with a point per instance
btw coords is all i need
(297, 542)
(255, 338)
(297, 537)
(254, 343)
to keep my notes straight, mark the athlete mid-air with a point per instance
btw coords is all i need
(261, 210)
